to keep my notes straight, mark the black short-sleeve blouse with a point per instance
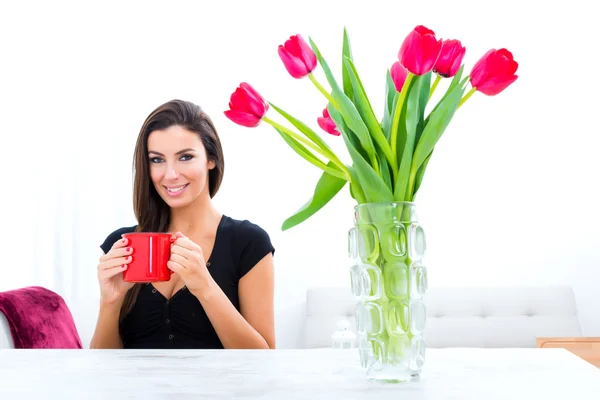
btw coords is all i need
(181, 322)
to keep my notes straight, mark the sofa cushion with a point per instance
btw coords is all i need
(461, 316)
(38, 318)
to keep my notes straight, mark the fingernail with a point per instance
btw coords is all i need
(128, 249)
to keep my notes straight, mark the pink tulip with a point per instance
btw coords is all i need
(297, 56)
(327, 124)
(494, 72)
(247, 107)
(450, 59)
(420, 50)
(399, 74)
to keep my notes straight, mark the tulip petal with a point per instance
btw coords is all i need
(307, 54)
(239, 100)
(399, 74)
(493, 86)
(255, 102)
(420, 50)
(479, 71)
(450, 59)
(242, 118)
(293, 65)
(328, 126)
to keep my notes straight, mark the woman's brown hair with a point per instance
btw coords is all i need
(151, 212)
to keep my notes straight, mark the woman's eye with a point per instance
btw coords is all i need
(186, 157)
(155, 160)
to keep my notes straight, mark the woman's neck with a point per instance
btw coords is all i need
(198, 218)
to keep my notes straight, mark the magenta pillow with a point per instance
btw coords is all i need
(39, 319)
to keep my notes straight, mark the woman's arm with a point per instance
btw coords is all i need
(106, 334)
(252, 327)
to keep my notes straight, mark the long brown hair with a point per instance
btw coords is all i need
(151, 212)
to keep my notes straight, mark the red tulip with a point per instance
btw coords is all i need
(247, 107)
(327, 124)
(450, 58)
(399, 74)
(297, 56)
(420, 50)
(494, 72)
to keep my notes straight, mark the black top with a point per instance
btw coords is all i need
(181, 322)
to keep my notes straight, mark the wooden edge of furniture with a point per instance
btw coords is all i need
(587, 348)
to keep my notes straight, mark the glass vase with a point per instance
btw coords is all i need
(389, 281)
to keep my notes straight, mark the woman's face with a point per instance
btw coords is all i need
(178, 165)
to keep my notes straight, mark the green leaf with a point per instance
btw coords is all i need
(423, 99)
(346, 53)
(366, 111)
(411, 121)
(327, 187)
(309, 156)
(401, 134)
(455, 82)
(391, 96)
(347, 109)
(374, 188)
(385, 171)
(420, 174)
(356, 190)
(302, 127)
(438, 122)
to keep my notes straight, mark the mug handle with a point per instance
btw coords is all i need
(172, 240)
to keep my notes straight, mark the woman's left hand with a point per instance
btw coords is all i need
(188, 262)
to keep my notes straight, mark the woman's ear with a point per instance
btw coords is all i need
(211, 165)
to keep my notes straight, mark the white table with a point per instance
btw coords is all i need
(464, 374)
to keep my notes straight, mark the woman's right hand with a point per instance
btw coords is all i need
(110, 272)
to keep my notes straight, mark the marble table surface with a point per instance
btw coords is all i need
(456, 373)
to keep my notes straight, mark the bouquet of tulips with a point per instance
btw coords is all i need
(389, 155)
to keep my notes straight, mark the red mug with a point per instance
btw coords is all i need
(150, 253)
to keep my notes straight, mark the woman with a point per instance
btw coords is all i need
(221, 292)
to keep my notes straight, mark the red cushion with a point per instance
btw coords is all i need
(39, 319)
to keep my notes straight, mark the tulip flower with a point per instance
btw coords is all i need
(297, 57)
(399, 74)
(494, 72)
(420, 50)
(327, 124)
(450, 58)
(247, 107)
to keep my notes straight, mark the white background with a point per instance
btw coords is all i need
(510, 197)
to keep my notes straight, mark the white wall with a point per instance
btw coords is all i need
(509, 198)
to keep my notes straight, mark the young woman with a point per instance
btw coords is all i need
(221, 292)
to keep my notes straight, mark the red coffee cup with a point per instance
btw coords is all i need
(150, 253)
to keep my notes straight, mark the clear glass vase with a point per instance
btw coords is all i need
(389, 281)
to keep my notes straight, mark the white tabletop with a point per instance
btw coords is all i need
(290, 374)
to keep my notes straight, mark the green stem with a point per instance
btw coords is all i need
(395, 123)
(435, 83)
(411, 184)
(344, 171)
(322, 90)
(375, 164)
(466, 96)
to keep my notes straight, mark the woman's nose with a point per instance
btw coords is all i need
(172, 173)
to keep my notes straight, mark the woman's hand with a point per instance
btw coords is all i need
(110, 272)
(188, 262)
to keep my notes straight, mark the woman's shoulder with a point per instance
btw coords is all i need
(114, 236)
(245, 230)
(251, 242)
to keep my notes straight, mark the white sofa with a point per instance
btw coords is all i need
(461, 316)
(456, 317)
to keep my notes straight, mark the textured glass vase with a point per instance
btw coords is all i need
(389, 281)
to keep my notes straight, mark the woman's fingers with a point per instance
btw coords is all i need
(109, 273)
(114, 262)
